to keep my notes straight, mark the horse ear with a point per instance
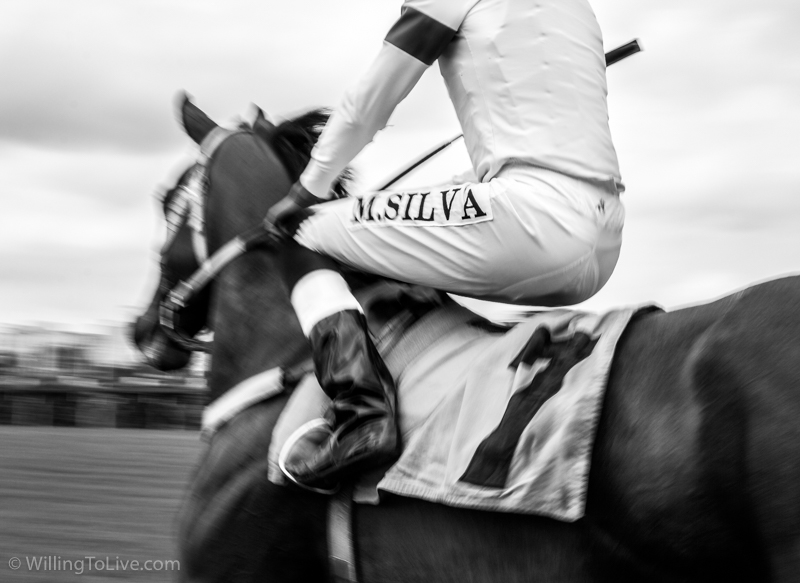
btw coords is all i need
(196, 123)
(263, 127)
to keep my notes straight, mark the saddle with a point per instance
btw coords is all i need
(494, 417)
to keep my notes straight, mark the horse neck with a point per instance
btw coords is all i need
(255, 327)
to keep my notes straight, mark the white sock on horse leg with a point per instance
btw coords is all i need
(320, 294)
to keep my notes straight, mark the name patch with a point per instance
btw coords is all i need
(448, 207)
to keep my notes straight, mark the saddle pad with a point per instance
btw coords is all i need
(492, 419)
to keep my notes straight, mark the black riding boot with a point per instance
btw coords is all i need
(359, 430)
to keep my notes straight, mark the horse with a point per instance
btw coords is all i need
(695, 469)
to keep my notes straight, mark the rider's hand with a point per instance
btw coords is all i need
(282, 218)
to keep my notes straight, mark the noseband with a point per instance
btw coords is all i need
(187, 207)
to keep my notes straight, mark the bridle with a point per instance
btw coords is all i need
(187, 207)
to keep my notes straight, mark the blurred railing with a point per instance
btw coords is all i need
(130, 402)
(82, 380)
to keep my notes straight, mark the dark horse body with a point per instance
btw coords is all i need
(695, 473)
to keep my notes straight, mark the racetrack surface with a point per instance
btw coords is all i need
(68, 494)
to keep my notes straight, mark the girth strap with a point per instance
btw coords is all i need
(341, 551)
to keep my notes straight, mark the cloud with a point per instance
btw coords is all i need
(72, 285)
(705, 123)
(98, 75)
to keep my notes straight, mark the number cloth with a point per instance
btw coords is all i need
(490, 419)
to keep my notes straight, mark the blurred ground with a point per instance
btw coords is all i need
(72, 493)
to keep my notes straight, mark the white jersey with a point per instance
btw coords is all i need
(526, 78)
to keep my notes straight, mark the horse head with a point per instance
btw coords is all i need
(247, 171)
(177, 262)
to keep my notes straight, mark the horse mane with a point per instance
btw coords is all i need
(293, 140)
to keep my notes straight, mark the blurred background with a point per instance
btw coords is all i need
(96, 446)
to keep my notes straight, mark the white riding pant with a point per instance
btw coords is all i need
(528, 236)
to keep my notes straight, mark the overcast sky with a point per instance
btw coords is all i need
(706, 124)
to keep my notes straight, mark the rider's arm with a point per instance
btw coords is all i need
(416, 40)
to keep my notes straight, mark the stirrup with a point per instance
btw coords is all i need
(290, 442)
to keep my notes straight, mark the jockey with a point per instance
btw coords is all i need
(541, 225)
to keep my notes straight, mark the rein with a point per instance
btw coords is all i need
(185, 290)
(188, 207)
